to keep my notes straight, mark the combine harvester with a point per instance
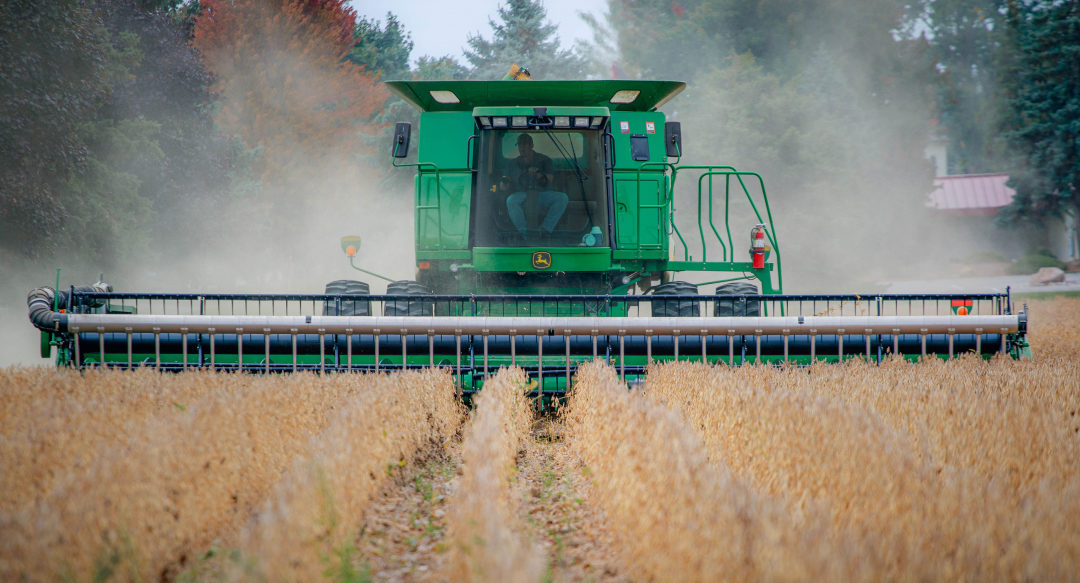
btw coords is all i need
(540, 261)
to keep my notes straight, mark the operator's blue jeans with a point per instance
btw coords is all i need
(554, 201)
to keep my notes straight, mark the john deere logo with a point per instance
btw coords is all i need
(541, 260)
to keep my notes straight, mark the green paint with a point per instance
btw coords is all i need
(612, 169)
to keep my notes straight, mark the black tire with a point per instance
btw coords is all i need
(675, 308)
(407, 307)
(737, 306)
(347, 307)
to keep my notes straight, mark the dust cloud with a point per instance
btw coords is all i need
(277, 236)
(847, 185)
(840, 146)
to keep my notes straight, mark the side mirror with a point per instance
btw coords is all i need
(673, 139)
(350, 245)
(402, 132)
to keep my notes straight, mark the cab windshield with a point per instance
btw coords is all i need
(539, 188)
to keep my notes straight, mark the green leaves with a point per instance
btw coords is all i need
(1045, 110)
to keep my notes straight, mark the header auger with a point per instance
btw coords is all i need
(545, 236)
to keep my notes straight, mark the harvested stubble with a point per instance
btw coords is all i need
(167, 463)
(939, 470)
(485, 543)
(677, 516)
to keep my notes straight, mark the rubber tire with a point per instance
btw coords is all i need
(407, 307)
(348, 307)
(675, 308)
(737, 307)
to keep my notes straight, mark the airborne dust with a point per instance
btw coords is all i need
(845, 174)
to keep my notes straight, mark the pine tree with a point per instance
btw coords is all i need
(1046, 112)
(382, 49)
(524, 37)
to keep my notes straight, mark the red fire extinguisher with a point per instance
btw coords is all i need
(757, 246)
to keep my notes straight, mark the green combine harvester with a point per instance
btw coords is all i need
(545, 236)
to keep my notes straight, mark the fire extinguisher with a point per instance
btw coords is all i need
(757, 246)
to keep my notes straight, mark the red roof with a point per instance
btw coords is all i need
(971, 194)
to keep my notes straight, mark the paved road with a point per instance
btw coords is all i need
(1015, 283)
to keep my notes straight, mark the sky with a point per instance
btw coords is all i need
(441, 27)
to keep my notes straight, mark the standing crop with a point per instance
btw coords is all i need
(140, 472)
(485, 541)
(933, 469)
(677, 516)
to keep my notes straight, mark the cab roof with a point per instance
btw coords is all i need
(430, 96)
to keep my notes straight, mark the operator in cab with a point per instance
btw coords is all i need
(532, 172)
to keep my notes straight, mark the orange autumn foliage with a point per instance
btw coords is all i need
(283, 85)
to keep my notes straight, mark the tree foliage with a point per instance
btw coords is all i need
(183, 166)
(967, 41)
(1046, 110)
(49, 83)
(106, 132)
(522, 35)
(282, 82)
(382, 49)
(287, 91)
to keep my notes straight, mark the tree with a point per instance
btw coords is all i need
(285, 86)
(286, 90)
(279, 72)
(53, 57)
(966, 39)
(182, 165)
(382, 50)
(657, 39)
(440, 69)
(1045, 113)
(524, 37)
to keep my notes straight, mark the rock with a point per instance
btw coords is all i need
(1048, 275)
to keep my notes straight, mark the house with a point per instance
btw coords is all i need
(964, 208)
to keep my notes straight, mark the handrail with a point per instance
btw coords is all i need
(728, 172)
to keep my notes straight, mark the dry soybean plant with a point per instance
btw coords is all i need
(153, 488)
(54, 422)
(173, 463)
(937, 470)
(677, 516)
(308, 524)
(1055, 328)
(485, 542)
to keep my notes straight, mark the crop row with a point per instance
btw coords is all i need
(937, 470)
(137, 474)
(485, 540)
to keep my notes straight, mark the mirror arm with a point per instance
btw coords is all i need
(352, 263)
